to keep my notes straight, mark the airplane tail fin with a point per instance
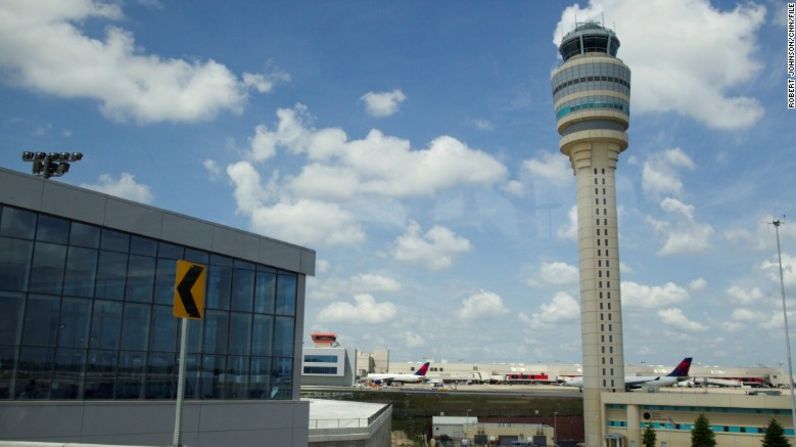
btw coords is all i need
(423, 369)
(682, 369)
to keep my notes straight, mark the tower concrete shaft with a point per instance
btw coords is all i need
(591, 91)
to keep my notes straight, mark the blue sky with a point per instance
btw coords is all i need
(413, 146)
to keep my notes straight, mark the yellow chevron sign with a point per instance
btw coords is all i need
(189, 290)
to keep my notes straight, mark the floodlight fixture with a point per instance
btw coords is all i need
(53, 164)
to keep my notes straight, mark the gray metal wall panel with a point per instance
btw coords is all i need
(274, 253)
(308, 262)
(54, 197)
(74, 203)
(227, 240)
(133, 217)
(298, 335)
(300, 437)
(51, 421)
(20, 190)
(183, 230)
(221, 424)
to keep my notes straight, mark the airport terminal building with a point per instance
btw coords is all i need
(88, 343)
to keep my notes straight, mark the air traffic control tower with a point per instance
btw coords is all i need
(591, 93)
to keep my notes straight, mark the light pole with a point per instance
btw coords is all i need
(555, 425)
(776, 224)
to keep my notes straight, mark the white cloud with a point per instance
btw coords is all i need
(771, 268)
(413, 340)
(660, 174)
(683, 234)
(264, 83)
(325, 202)
(333, 287)
(515, 188)
(381, 104)
(558, 273)
(483, 124)
(649, 297)
(570, 230)
(691, 68)
(762, 236)
(365, 309)
(435, 249)
(212, 168)
(308, 222)
(372, 282)
(44, 47)
(322, 265)
(697, 285)
(562, 308)
(125, 187)
(378, 165)
(675, 317)
(549, 167)
(745, 296)
(482, 305)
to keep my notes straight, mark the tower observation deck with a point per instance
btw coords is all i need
(591, 93)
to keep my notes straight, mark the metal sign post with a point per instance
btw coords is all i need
(177, 441)
(189, 302)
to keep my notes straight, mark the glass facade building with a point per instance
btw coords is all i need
(86, 313)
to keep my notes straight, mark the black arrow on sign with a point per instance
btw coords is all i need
(184, 289)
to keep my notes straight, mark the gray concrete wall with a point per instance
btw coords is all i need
(151, 423)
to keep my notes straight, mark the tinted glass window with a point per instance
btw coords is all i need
(265, 292)
(73, 328)
(47, 272)
(81, 268)
(15, 257)
(115, 240)
(161, 379)
(164, 335)
(219, 285)
(10, 317)
(68, 374)
(84, 235)
(135, 327)
(130, 378)
(239, 330)
(236, 378)
(34, 372)
(18, 223)
(259, 377)
(198, 256)
(164, 280)
(41, 320)
(106, 325)
(169, 251)
(7, 359)
(111, 273)
(262, 335)
(195, 332)
(286, 295)
(52, 229)
(242, 289)
(140, 278)
(143, 246)
(283, 336)
(215, 332)
(100, 374)
(211, 375)
(282, 382)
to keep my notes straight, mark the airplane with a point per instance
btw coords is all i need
(417, 376)
(678, 374)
